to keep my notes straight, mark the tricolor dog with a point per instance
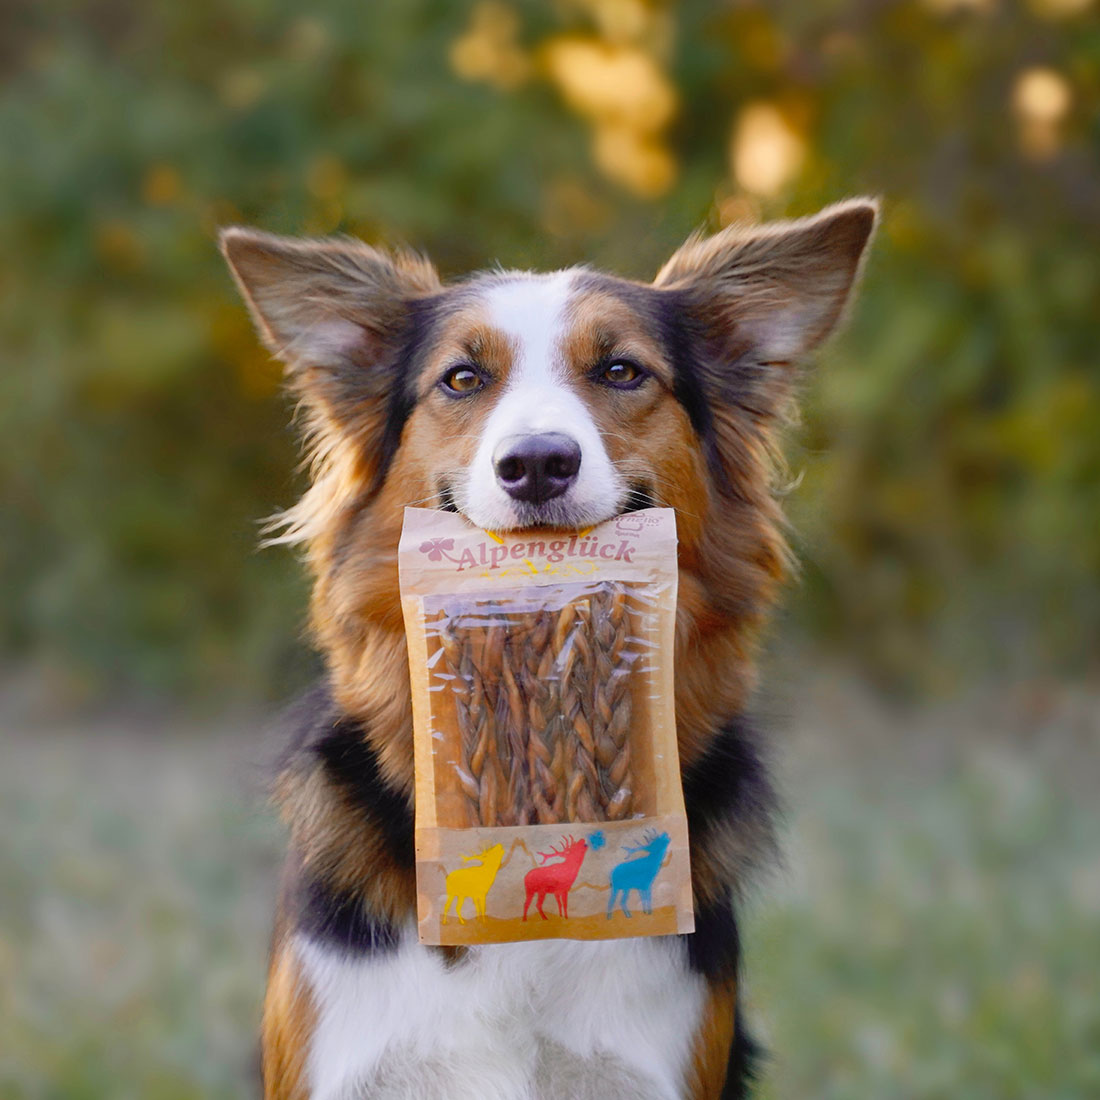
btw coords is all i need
(526, 401)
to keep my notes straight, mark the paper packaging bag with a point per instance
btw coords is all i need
(548, 795)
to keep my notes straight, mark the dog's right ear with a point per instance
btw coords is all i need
(335, 311)
(759, 298)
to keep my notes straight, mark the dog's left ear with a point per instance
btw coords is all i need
(335, 311)
(762, 297)
(342, 316)
(323, 302)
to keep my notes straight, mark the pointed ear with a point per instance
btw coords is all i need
(773, 292)
(347, 320)
(334, 304)
(336, 311)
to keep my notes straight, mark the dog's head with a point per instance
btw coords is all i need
(547, 400)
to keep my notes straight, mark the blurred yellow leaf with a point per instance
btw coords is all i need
(489, 51)
(1041, 95)
(737, 209)
(629, 100)
(611, 84)
(1041, 98)
(636, 160)
(766, 151)
(619, 20)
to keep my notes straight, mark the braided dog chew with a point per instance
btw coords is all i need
(543, 721)
(582, 795)
(542, 704)
(612, 709)
(488, 656)
(477, 771)
(560, 624)
(512, 738)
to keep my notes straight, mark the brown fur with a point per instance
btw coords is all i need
(754, 300)
(332, 842)
(710, 1053)
(288, 1023)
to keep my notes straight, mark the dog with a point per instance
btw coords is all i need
(526, 400)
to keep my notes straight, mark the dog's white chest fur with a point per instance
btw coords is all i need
(527, 1021)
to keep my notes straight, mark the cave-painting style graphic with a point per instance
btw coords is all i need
(555, 878)
(637, 872)
(473, 882)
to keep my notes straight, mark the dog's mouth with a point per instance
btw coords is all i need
(639, 495)
(446, 497)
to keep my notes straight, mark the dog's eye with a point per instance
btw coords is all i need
(622, 374)
(462, 380)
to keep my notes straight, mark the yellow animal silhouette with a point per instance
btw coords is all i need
(473, 882)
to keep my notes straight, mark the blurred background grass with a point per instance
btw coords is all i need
(935, 933)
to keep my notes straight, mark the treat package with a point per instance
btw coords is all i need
(548, 794)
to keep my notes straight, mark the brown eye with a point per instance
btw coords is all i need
(462, 381)
(622, 374)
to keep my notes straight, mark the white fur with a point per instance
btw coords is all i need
(407, 1025)
(533, 310)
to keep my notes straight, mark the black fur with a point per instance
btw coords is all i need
(318, 727)
(714, 948)
(334, 917)
(743, 1066)
(351, 764)
(729, 787)
(338, 920)
(706, 372)
(421, 323)
(681, 338)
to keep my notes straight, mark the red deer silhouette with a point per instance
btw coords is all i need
(555, 878)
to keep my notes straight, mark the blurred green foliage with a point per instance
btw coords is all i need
(947, 513)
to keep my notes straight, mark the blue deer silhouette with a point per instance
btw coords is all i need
(638, 874)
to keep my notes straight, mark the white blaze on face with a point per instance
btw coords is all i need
(538, 397)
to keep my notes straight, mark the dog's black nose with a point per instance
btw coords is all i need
(534, 468)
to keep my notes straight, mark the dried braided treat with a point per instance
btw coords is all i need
(543, 708)
(512, 740)
(612, 708)
(582, 795)
(548, 674)
(543, 720)
(478, 771)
